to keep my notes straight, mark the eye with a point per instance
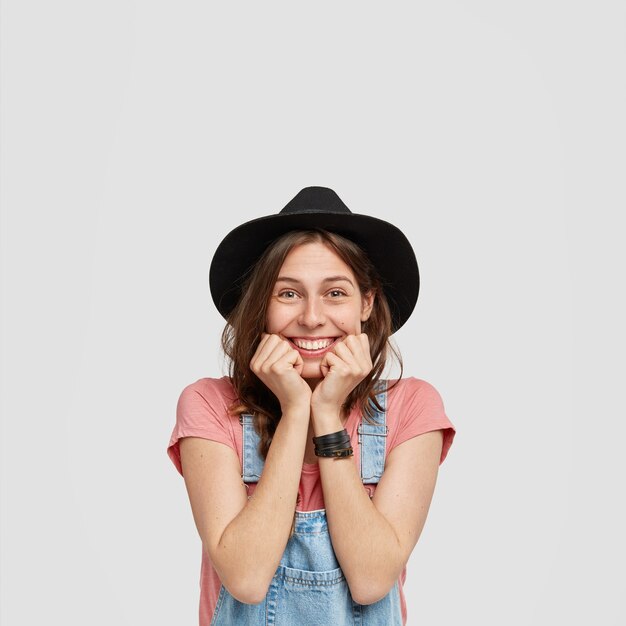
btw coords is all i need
(336, 293)
(288, 294)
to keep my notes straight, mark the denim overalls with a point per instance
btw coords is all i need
(309, 588)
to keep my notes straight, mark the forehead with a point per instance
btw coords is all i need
(314, 257)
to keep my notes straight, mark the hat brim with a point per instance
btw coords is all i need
(385, 244)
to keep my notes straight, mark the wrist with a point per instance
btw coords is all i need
(299, 408)
(325, 422)
(326, 411)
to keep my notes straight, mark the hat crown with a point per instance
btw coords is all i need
(315, 200)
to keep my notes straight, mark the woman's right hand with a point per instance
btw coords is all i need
(279, 366)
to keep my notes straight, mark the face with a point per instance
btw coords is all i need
(316, 301)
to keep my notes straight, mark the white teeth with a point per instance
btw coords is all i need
(312, 345)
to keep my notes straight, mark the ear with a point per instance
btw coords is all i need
(367, 304)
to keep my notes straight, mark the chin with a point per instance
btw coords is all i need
(312, 374)
(312, 371)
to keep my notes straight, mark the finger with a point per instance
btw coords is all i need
(366, 353)
(265, 350)
(345, 353)
(360, 352)
(365, 342)
(283, 357)
(275, 353)
(293, 359)
(336, 364)
(325, 365)
(299, 361)
(355, 343)
(365, 349)
(359, 344)
(359, 357)
(260, 346)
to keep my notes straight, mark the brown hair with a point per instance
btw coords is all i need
(246, 322)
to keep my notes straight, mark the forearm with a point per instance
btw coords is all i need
(366, 545)
(255, 540)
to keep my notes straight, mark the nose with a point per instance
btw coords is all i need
(312, 314)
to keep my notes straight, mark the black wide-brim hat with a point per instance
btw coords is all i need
(318, 207)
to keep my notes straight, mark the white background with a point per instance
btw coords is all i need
(136, 134)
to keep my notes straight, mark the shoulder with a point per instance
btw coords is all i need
(411, 389)
(206, 399)
(221, 386)
(210, 390)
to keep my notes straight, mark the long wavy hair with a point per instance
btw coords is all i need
(247, 322)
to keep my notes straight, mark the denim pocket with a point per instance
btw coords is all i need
(301, 579)
(312, 598)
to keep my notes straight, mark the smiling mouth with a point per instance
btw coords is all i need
(313, 347)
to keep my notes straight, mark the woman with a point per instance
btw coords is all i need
(310, 476)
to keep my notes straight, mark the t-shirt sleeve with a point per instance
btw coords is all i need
(201, 411)
(421, 410)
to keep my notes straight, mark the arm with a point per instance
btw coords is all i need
(373, 538)
(228, 523)
(247, 538)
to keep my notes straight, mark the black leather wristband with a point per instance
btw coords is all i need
(342, 452)
(344, 443)
(340, 435)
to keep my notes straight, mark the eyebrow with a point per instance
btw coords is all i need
(330, 279)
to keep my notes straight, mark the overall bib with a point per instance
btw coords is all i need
(309, 588)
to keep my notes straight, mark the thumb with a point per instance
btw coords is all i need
(324, 366)
(327, 362)
(297, 363)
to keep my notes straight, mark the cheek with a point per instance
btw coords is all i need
(272, 324)
(350, 327)
(276, 320)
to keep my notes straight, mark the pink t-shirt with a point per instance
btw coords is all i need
(414, 407)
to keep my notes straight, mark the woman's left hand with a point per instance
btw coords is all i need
(344, 367)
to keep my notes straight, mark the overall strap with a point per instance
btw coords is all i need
(252, 462)
(373, 439)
